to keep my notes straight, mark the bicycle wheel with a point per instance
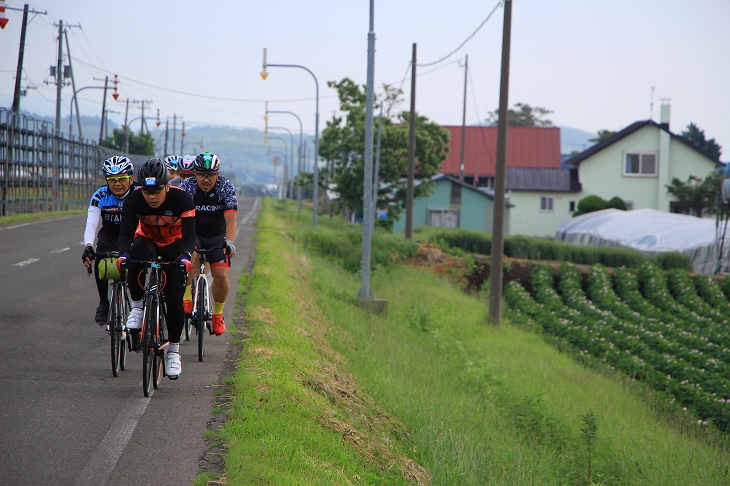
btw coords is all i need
(114, 333)
(148, 343)
(200, 315)
(124, 340)
(158, 367)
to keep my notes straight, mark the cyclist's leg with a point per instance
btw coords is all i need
(173, 291)
(141, 249)
(188, 294)
(104, 242)
(219, 266)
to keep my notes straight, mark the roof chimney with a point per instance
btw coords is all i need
(665, 112)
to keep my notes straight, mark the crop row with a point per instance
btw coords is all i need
(670, 330)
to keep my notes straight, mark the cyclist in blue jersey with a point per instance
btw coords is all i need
(106, 207)
(216, 209)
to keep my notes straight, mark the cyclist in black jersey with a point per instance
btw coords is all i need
(157, 219)
(216, 209)
(105, 206)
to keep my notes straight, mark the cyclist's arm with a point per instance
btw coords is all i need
(188, 233)
(92, 223)
(130, 219)
(231, 224)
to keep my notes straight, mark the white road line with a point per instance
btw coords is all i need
(25, 262)
(245, 218)
(60, 250)
(107, 454)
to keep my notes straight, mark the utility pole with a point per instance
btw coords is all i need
(167, 130)
(59, 78)
(495, 273)
(73, 83)
(411, 150)
(463, 123)
(103, 110)
(174, 129)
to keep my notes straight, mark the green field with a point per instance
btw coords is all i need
(326, 393)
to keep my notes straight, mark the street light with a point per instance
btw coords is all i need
(299, 161)
(274, 163)
(71, 112)
(126, 133)
(286, 147)
(291, 158)
(315, 188)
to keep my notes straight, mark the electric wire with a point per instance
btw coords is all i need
(465, 41)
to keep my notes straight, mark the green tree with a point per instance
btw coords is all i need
(697, 196)
(602, 135)
(696, 137)
(141, 144)
(343, 146)
(523, 115)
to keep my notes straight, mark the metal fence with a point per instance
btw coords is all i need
(41, 172)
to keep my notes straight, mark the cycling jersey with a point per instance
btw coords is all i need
(173, 220)
(210, 206)
(107, 207)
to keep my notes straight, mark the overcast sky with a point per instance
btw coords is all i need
(596, 64)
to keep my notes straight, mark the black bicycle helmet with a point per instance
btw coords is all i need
(207, 162)
(153, 173)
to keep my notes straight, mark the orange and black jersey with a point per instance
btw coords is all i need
(174, 220)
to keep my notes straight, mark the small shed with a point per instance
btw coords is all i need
(454, 204)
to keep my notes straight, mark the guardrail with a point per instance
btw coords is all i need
(40, 172)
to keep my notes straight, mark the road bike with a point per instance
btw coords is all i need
(153, 337)
(119, 307)
(202, 316)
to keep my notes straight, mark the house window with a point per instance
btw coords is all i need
(455, 194)
(546, 204)
(640, 164)
(571, 207)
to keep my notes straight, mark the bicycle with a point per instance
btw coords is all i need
(154, 340)
(119, 307)
(202, 316)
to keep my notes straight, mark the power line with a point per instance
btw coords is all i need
(466, 40)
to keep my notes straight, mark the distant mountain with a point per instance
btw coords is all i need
(574, 140)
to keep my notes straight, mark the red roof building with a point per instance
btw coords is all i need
(527, 147)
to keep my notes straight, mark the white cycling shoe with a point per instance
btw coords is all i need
(173, 365)
(134, 321)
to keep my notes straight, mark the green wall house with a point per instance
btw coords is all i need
(453, 204)
(637, 163)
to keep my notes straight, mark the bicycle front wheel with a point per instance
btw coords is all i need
(113, 326)
(202, 310)
(124, 339)
(148, 343)
(158, 366)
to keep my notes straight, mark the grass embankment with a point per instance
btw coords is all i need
(30, 217)
(326, 393)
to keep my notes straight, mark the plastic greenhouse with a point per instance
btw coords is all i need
(652, 232)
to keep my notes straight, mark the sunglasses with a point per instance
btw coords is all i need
(153, 192)
(114, 180)
(208, 176)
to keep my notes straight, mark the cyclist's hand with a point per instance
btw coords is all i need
(122, 262)
(184, 261)
(88, 256)
(230, 248)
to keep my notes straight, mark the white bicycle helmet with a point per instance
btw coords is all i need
(117, 165)
(172, 162)
(187, 165)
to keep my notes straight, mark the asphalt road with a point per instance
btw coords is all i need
(64, 418)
